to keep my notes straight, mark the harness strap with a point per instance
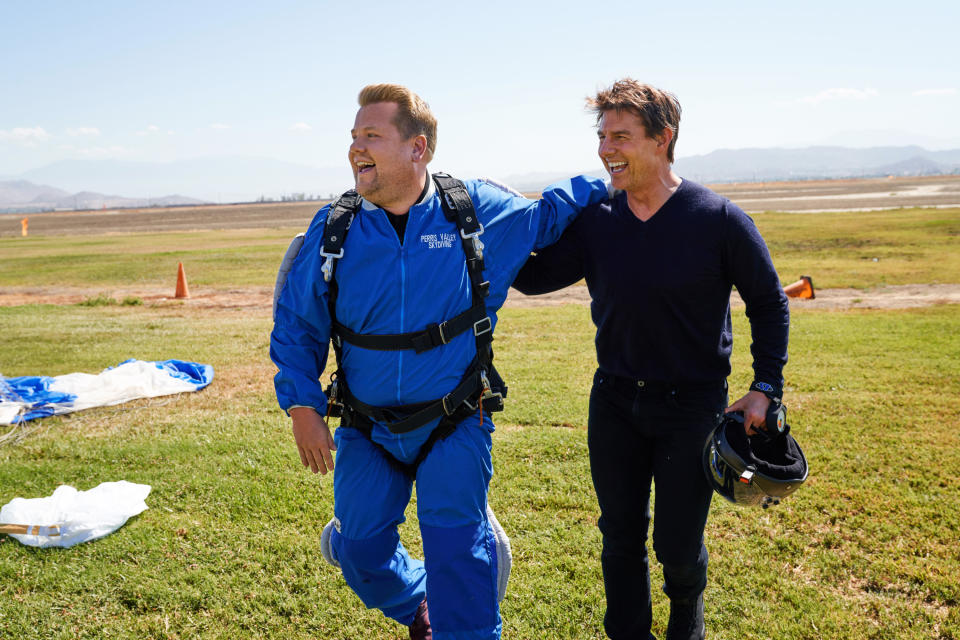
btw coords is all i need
(434, 335)
(447, 426)
(409, 417)
(339, 219)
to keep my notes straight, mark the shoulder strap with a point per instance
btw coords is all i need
(458, 206)
(339, 219)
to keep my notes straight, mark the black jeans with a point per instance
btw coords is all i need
(642, 432)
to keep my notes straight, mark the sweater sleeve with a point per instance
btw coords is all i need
(751, 271)
(554, 267)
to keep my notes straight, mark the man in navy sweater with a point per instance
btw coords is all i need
(660, 259)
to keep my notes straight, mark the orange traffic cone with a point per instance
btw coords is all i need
(802, 288)
(182, 290)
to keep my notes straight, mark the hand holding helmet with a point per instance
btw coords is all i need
(758, 469)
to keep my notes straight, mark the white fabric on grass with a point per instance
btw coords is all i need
(81, 515)
(29, 397)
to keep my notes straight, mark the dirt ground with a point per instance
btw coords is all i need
(259, 300)
(802, 197)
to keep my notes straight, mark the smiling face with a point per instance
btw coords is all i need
(384, 164)
(633, 160)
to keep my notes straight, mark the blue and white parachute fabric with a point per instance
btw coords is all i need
(29, 397)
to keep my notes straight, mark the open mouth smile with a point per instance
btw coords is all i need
(616, 167)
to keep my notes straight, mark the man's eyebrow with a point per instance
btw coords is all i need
(601, 132)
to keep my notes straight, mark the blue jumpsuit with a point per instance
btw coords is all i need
(386, 287)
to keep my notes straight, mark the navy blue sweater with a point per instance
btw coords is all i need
(661, 288)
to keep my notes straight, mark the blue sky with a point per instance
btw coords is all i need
(173, 80)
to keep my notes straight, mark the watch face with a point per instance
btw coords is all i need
(781, 419)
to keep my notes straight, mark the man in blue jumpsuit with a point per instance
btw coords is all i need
(403, 268)
(660, 258)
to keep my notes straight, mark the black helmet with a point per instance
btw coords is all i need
(758, 469)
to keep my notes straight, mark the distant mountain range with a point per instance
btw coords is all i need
(21, 196)
(761, 165)
(214, 179)
(808, 163)
(81, 184)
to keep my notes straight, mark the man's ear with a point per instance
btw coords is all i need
(665, 137)
(419, 148)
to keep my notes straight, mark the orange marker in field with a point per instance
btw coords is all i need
(802, 288)
(23, 227)
(182, 290)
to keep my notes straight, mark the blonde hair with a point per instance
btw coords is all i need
(413, 114)
(657, 109)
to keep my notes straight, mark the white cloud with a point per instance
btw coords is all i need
(26, 136)
(301, 126)
(150, 130)
(219, 126)
(83, 131)
(840, 94)
(935, 92)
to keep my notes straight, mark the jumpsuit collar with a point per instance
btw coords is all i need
(428, 191)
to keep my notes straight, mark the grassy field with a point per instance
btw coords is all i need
(868, 548)
(847, 249)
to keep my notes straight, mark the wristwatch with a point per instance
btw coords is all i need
(767, 389)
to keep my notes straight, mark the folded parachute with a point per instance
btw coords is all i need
(29, 397)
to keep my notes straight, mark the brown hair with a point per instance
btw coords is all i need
(413, 115)
(658, 110)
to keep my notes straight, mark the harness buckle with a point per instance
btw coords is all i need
(327, 267)
(446, 409)
(475, 237)
(486, 328)
(443, 337)
(489, 393)
(432, 336)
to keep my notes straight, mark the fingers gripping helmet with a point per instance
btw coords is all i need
(754, 470)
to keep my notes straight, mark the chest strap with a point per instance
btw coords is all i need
(434, 335)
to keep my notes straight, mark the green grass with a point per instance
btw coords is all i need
(865, 248)
(229, 546)
(220, 259)
(854, 249)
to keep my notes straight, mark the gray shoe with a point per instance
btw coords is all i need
(686, 620)
(326, 550)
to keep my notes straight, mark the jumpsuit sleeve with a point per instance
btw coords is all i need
(554, 267)
(751, 270)
(300, 338)
(518, 226)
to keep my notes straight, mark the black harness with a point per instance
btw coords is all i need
(481, 388)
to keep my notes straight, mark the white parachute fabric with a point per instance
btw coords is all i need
(29, 397)
(79, 516)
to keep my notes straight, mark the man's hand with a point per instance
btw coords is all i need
(754, 406)
(314, 440)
